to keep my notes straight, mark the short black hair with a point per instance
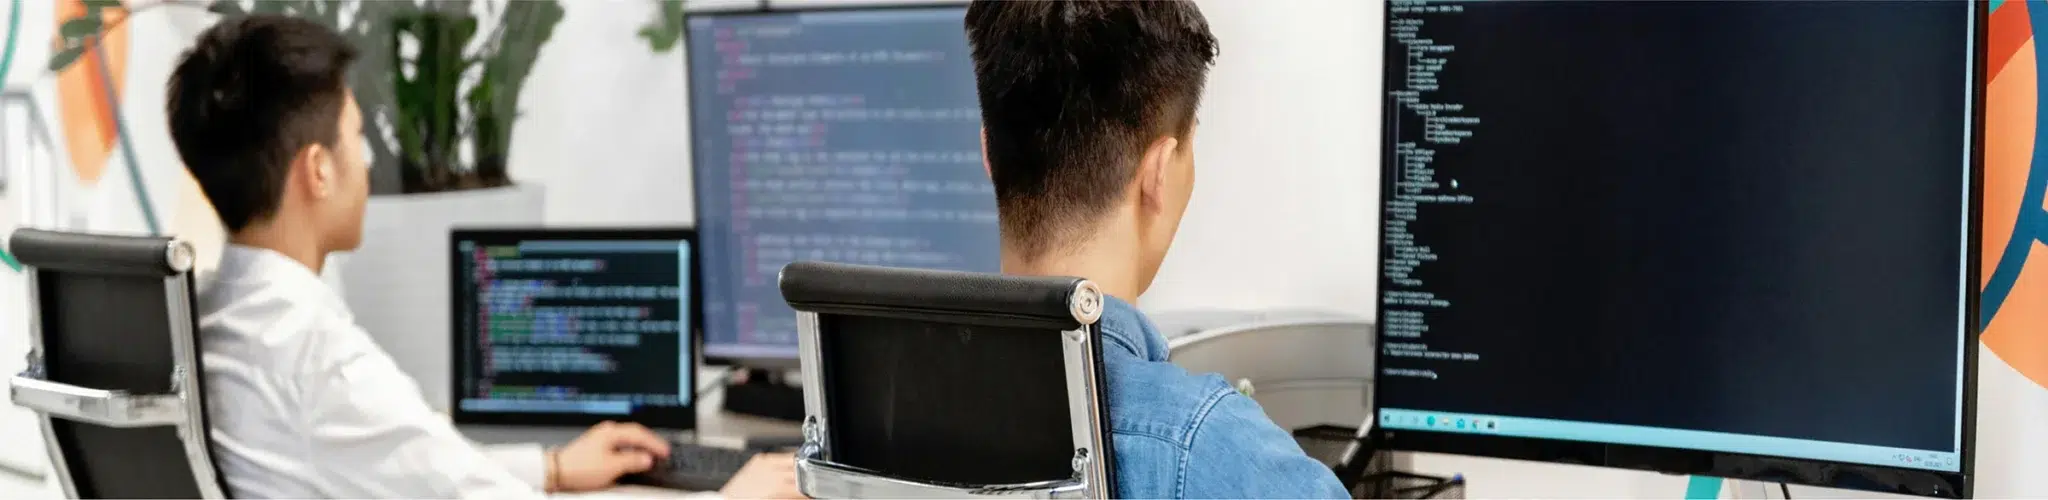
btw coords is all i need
(249, 95)
(1071, 93)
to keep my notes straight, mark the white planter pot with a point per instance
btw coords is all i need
(397, 282)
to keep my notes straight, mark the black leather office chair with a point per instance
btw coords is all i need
(113, 370)
(935, 384)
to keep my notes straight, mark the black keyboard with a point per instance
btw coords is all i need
(692, 467)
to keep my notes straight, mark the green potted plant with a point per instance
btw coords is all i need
(431, 118)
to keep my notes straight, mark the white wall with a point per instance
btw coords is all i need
(1283, 212)
(619, 156)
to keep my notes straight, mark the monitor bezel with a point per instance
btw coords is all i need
(676, 418)
(1822, 473)
(762, 8)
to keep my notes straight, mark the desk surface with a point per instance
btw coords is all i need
(714, 425)
(630, 492)
(714, 428)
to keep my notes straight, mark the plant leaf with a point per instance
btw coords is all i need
(667, 29)
(672, 13)
(662, 41)
(226, 8)
(64, 58)
(271, 7)
(96, 5)
(80, 27)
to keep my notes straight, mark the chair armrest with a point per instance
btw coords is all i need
(1058, 303)
(107, 408)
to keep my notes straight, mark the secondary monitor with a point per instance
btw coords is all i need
(573, 326)
(1729, 239)
(845, 135)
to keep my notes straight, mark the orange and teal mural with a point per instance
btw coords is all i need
(2014, 310)
(88, 93)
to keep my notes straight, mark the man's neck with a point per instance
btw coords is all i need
(1113, 268)
(302, 248)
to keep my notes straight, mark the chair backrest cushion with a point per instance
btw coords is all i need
(111, 332)
(946, 402)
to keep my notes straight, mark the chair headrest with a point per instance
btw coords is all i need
(101, 253)
(1062, 303)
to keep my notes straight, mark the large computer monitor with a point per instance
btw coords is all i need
(1730, 239)
(847, 135)
(573, 326)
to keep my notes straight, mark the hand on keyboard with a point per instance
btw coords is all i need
(694, 467)
(768, 475)
(596, 459)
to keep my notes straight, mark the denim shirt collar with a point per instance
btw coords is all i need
(1126, 328)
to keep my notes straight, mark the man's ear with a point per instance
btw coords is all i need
(985, 168)
(314, 163)
(1152, 172)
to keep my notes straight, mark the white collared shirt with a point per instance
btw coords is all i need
(301, 403)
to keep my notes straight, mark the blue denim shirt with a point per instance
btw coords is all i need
(1186, 436)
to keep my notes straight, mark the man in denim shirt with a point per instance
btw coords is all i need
(1088, 114)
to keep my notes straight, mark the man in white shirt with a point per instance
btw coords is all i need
(301, 403)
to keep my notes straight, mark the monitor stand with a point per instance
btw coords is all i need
(1368, 470)
(764, 393)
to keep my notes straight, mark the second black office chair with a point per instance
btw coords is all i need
(936, 384)
(113, 370)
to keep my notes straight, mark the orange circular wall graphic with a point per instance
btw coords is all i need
(85, 109)
(2015, 221)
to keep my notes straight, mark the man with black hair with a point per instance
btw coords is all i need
(301, 403)
(1088, 116)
